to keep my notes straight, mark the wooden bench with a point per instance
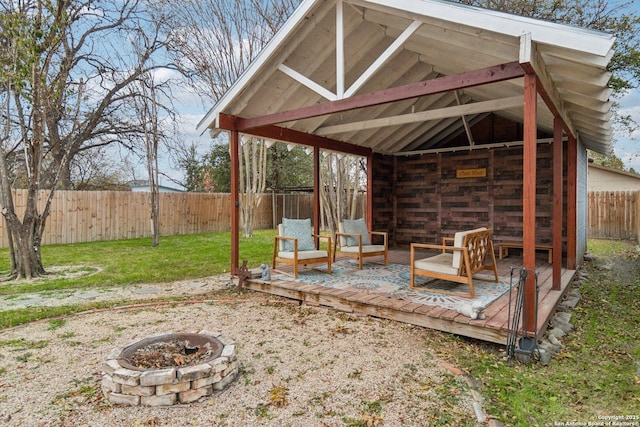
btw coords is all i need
(503, 249)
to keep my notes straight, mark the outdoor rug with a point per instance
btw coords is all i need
(392, 281)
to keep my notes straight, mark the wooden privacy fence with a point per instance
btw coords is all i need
(88, 216)
(614, 215)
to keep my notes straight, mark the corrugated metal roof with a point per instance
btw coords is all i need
(334, 50)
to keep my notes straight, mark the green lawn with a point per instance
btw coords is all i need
(125, 262)
(595, 375)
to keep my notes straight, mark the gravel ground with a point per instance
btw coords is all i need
(300, 366)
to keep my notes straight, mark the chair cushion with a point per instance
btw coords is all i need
(365, 249)
(356, 226)
(301, 230)
(439, 264)
(304, 254)
(458, 240)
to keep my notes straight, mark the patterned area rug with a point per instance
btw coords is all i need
(392, 281)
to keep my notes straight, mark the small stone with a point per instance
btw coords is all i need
(472, 382)
(190, 373)
(222, 384)
(108, 386)
(565, 326)
(194, 394)
(138, 390)
(545, 357)
(480, 415)
(571, 302)
(556, 332)
(123, 399)
(164, 389)
(476, 395)
(115, 353)
(225, 340)
(165, 400)
(203, 382)
(229, 351)
(232, 368)
(126, 376)
(219, 364)
(158, 376)
(110, 366)
(554, 340)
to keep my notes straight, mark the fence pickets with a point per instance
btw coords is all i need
(87, 216)
(614, 215)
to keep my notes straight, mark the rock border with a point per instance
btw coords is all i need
(169, 386)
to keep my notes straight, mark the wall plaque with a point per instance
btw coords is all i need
(471, 173)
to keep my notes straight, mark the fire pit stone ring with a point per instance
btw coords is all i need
(207, 363)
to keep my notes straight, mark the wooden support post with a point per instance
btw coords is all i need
(316, 191)
(557, 204)
(572, 202)
(369, 213)
(529, 197)
(235, 201)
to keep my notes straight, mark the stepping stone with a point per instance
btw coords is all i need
(88, 295)
(145, 291)
(29, 302)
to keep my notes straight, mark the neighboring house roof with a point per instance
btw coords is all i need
(384, 44)
(602, 178)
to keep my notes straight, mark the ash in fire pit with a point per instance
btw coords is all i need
(169, 369)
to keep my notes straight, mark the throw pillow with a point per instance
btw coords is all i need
(356, 226)
(301, 230)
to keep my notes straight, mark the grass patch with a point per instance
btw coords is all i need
(125, 262)
(594, 375)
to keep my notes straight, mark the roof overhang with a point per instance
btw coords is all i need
(359, 75)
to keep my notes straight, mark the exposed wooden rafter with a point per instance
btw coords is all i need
(441, 113)
(493, 74)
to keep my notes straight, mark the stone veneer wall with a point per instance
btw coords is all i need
(168, 386)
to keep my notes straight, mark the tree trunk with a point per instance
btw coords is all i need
(25, 243)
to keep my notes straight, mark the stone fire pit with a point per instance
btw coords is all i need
(167, 369)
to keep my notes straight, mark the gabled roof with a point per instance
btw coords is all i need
(345, 49)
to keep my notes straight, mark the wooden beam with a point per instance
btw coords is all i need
(382, 59)
(235, 201)
(339, 49)
(305, 81)
(572, 202)
(529, 198)
(558, 198)
(423, 116)
(277, 133)
(494, 74)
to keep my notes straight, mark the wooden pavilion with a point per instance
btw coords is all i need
(467, 117)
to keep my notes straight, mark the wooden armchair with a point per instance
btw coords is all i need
(295, 245)
(471, 252)
(354, 240)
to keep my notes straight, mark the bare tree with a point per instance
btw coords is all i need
(214, 41)
(253, 176)
(340, 180)
(67, 71)
(147, 107)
